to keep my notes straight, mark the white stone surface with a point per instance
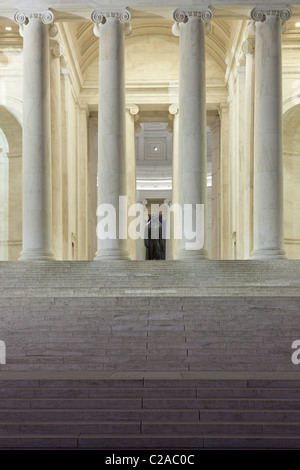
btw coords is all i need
(131, 245)
(37, 224)
(268, 167)
(56, 149)
(192, 124)
(249, 144)
(111, 127)
(291, 187)
(82, 195)
(2, 353)
(92, 186)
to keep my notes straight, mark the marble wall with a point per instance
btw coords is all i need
(291, 186)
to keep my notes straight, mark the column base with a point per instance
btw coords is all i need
(113, 255)
(268, 254)
(37, 255)
(192, 255)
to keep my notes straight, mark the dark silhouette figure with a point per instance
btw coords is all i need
(153, 240)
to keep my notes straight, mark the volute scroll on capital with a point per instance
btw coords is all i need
(133, 109)
(56, 48)
(248, 46)
(173, 109)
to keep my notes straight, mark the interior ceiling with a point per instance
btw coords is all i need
(86, 43)
(218, 42)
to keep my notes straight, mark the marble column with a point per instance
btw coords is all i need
(174, 128)
(82, 184)
(268, 165)
(92, 185)
(225, 236)
(57, 51)
(132, 123)
(248, 48)
(110, 28)
(65, 127)
(192, 156)
(214, 126)
(36, 163)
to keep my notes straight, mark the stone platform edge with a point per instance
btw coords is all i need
(149, 375)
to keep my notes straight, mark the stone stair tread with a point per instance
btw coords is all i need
(106, 392)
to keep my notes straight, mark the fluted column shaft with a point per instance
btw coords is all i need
(37, 208)
(268, 165)
(111, 122)
(192, 158)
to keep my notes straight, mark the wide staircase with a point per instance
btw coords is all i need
(150, 355)
(100, 412)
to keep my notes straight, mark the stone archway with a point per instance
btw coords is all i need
(291, 176)
(10, 186)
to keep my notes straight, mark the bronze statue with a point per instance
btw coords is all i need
(153, 240)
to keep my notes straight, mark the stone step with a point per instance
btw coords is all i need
(90, 279)
(96, 415)
(94, 441)
(161, 428)
(151, 403)
(223, 428)
(251, 442)
(85, 392)
(135, 441)
(108, 356)
(67, 428)
(141, 367)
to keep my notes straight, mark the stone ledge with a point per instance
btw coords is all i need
(149, 375)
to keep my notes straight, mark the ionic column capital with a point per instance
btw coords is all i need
(260, 13)
(248, 46)
(100, 17)
(56, 48)
(173, 109)
(182, 16)
(133, 110)
(23, 17)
